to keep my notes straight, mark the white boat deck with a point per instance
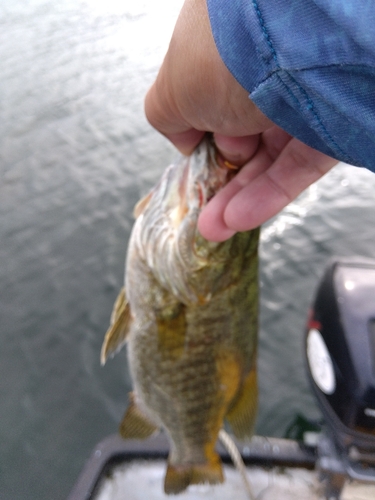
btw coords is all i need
(142, 480)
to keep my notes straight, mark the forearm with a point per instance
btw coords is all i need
(308, 65)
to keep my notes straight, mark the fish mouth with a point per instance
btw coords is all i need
(232, 168)
(229, 168)
(182, 208)
(219, 172)
(202, 175)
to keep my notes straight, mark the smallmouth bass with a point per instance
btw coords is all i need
(189, 317)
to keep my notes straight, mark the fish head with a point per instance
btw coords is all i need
(188, 185)
(165, 235)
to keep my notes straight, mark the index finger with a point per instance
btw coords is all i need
(296, 168)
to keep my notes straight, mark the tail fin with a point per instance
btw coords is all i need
(179, 477)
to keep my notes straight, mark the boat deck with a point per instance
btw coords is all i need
(142, 479)
(277, 469)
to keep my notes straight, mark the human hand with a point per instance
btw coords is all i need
(281, 168)
(193, 93)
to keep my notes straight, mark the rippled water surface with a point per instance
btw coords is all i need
(76, 153)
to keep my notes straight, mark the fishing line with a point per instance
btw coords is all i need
(236, 457)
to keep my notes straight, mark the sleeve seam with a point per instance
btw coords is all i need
(307, 106)
(265, 32)
(310, 107)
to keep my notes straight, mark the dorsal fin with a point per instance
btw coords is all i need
(116, 334)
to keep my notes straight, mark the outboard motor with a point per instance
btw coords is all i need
(340, 349)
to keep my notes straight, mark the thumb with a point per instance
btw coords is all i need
(165, 117)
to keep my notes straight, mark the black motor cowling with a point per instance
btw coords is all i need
(340, 349)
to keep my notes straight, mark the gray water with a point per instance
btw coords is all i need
(76, 153)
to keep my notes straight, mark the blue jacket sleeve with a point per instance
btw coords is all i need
(309, 65)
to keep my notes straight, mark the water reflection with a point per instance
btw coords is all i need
(76, 153)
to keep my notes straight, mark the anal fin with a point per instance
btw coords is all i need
(135, 425)
(116, 334)
(242, 414)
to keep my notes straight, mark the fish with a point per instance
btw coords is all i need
(189, 315)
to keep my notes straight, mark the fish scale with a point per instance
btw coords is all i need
(189, 316)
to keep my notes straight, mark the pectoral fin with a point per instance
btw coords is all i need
(242, 414)
(135, 425)
(116, 334)
(142, 204)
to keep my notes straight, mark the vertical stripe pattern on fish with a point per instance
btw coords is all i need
(189, 316)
